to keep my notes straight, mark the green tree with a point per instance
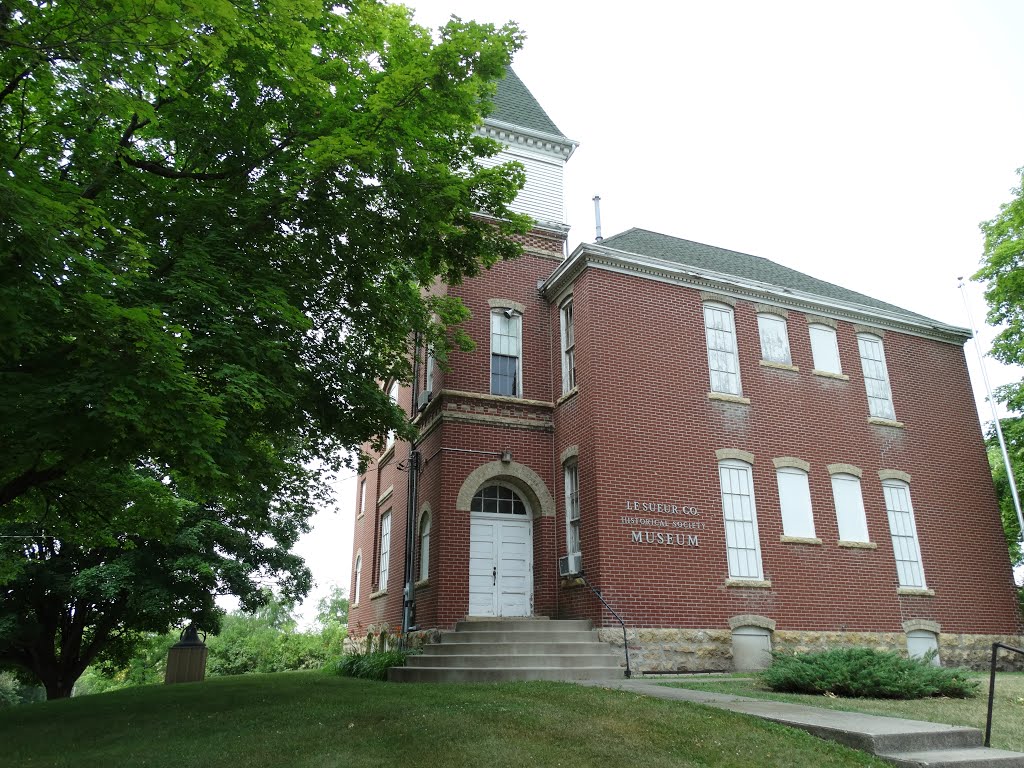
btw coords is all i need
(217, 222)
(1002, 272)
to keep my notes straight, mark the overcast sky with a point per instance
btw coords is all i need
(861, 143)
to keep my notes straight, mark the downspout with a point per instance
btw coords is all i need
(408, 596)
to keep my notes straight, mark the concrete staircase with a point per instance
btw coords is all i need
(497, 650)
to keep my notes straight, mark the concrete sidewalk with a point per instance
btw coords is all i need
(909, 743)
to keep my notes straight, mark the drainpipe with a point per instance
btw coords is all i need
(408, 595)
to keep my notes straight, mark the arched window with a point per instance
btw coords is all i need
(506, 360)
(903, 528)
(425, 546)
(795, 502)
(921, 643)
(850, 517)
(774, 338)
(876, 376)
(741, 537)
(824, 348)
(358, 579)
(498, 500)
(720, 335)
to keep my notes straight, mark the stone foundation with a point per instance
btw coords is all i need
(710, 650)
(373, 635)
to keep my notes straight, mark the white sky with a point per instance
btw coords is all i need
(861, 143)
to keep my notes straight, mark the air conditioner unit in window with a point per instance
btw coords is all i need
(569, 565)
(424, 398)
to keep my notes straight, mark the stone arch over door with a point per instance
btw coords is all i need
(518, 477)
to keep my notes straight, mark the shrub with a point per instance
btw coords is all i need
(866, 673)
(370, 666)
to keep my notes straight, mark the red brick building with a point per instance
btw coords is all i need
(739, 456)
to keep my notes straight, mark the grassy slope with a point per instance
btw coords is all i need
(311, 719)
(1008, 708)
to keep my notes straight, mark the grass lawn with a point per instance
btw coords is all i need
(300, 719)
(1008, 710)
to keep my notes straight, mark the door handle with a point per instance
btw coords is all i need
(494, 576)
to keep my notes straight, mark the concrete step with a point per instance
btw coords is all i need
(971, 757)
(523, 636)
(455, 649)
(518, 661)
(498, 674)
(538, 624)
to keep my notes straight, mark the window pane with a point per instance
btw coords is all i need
(853, 525)
(497, 500)
(742, 545)
(795, 501)
(505, 343)
(904, 535)
(568, 348)
(721, 344)
(385, 549)
(824, 349)
(774, 338)
(572, 507)
(876, 377)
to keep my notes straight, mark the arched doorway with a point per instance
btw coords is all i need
(500, 553)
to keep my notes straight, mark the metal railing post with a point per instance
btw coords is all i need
(992, 687)
(625, 640)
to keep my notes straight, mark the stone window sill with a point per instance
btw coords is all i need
(885, 422)
(858, 544)
(830, 375)
(777, 366)
(421, 583)
(387, 455)
(379, 593)
(799, 540)
(727, 398)
(568, 396)
(751, 583)
(915, 592)
(567, 583)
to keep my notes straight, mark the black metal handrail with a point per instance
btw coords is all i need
(992, 687)
(625, 640)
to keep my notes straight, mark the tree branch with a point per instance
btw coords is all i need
(12, 86)
(28, 480)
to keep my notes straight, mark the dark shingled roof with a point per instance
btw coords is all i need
(707, 257)
(514, 104)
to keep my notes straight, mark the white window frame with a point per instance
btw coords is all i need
(851, 518)
(568, 346)
(795, 502)
(507, 341)
(773, 331)
(723, 355)
(358, 578)
(876, 376)
(389, 441)
(424, 546)
(739, 511)
(906, 548)
(385, 551)
(362, 497)
(571, 471)
(428, 376)
(825, 348)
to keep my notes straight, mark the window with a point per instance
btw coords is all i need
(425, 546)
(506, 365)
(568, 348)
(721, 341)
(824, 349)
(497, 499)
(362, 497)
(393, 394)
(876, 376)
(774, 339)
(850, 517)
(385, 550)
(922, 644)
(795, 501)
(358, 579)
(572, 508)
(428, 383)
(904, 534)
(741, 540)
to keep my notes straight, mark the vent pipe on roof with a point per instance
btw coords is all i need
(597, 218)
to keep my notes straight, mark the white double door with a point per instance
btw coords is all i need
(500, 565)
